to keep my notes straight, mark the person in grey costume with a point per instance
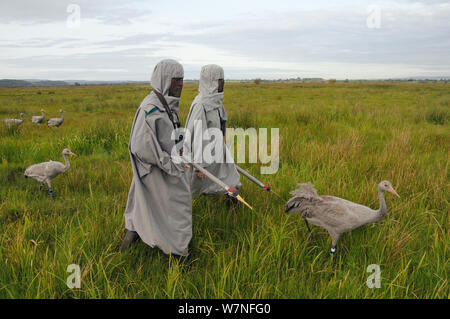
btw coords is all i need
(207, 109)
(159, 206)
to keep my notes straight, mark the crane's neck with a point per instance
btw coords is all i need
(62, 116)
(382, 211)
(66, 161)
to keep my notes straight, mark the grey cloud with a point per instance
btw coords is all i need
(132, 64)
(325, 36)
(121, 65)
(43, 43)
(48, 11)
(408, 36)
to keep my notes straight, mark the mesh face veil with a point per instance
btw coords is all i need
(176, 86)
(221, 85)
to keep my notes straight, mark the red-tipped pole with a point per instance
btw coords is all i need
(255, 180)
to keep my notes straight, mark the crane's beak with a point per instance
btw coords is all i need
(391, 190)
(72, 154)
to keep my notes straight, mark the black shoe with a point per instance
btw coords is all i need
(130, 237)
(231, 201)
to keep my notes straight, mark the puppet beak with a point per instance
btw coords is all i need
(239, 198)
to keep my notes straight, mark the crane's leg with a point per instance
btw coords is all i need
(309, 230)
(333, 250)
(334, 240)
(40, 187)
(50, 190)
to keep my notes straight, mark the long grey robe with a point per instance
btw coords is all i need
(159, 206)
(207, 107)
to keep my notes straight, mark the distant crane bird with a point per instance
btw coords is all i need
(14, 122)
(56, 121)
(45, 172)
(38, 119)
(335, 214)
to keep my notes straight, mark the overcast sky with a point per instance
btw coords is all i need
(123, 40)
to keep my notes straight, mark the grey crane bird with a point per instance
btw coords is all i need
(56, 121)
(38, 119)
(14, 122)
(45, 172)
(335, 214)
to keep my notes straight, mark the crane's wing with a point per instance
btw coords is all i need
(53, 169)
(51, 122)
(350, 207)
(45, 170)
(305, 200)
(36, 119)
(37, 171)
(12, 121)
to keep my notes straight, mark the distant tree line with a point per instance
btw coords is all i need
(6, 83)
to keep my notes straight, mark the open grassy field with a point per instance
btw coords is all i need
(344, 138)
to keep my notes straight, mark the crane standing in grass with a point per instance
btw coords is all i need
(335, 214)
(38, 119)
(14, 122)
(45, 172)
(56, 121)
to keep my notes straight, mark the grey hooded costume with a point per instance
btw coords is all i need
(207, 107)
(159, 206)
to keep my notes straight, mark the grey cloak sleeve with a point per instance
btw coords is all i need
(151, 144)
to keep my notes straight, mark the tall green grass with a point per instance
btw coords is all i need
(344, 138)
